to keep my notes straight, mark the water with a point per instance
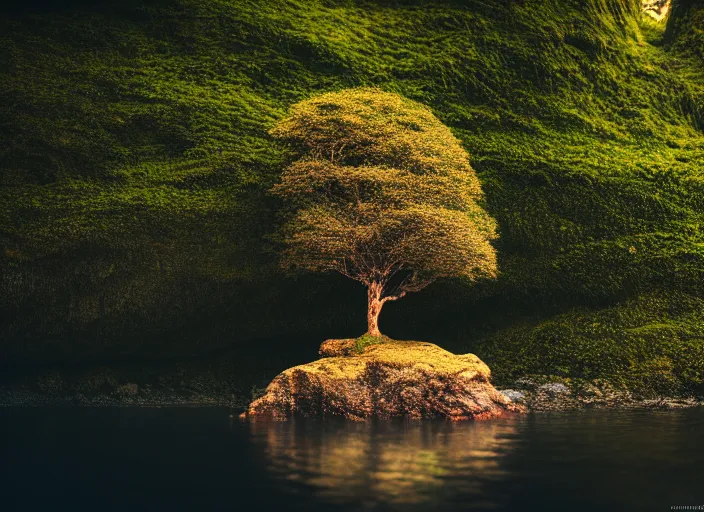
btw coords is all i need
(203, 459)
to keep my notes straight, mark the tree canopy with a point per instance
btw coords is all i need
(383, 193)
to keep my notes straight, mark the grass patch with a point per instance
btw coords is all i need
(366, 340)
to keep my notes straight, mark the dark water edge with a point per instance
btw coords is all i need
(127, 396)
(228, 378)
(204, 458)
(233, 377)
(10, 398)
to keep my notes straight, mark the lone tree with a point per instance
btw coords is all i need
(383, 193)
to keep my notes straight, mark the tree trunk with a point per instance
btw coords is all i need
(373, 308)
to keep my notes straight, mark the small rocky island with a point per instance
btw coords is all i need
(384, 379)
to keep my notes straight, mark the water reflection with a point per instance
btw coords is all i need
(397, 464)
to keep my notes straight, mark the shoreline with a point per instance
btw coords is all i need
(32, 399)
(598, 394)
(535, 402)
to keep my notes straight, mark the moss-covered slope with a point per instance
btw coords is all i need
(651, 344)
(135, 161)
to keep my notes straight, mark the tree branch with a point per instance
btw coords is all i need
(416, 285)
(393, 297)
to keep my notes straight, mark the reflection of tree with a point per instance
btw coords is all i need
(388, 463)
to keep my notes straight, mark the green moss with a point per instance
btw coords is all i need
(400, 354)
(367, 339)
(653, 344)
(135, 163)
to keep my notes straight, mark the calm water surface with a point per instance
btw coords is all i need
(202, 459)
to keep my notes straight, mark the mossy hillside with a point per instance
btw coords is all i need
(684, 28)
(651, 344)
(136, 161)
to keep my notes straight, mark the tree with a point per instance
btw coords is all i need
(381, 192)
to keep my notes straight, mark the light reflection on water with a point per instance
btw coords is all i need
(397, 464)
(133, 459)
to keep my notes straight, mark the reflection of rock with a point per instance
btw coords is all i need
(394, 378)
(388, 464)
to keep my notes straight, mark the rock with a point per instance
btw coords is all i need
(337, 348)
(553, 396)
(590, 391)
(514, 395)
(554, 389)
(671, 403)
(556, 396)
(390, 379)
(129, 389)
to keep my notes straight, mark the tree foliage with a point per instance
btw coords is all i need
(383, 193)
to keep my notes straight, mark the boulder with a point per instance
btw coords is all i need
(514, 395)
(554, 389)
(389, 379)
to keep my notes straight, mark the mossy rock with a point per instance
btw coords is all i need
(388, 379)
(350, 346)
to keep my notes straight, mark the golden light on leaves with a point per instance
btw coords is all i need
(383, 193)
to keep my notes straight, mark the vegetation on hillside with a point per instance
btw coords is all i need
(652, 343)
(136, 164)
